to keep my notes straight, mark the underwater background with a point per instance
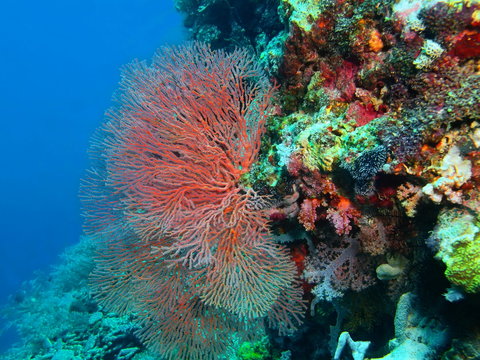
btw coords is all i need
(60, 64)
(270, 180)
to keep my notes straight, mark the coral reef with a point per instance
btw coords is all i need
(337, 158)
(378, 128)
(57, 318)
(337, 269)
(234, 23)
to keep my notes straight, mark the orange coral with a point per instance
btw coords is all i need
(375, 41)
(409, 195)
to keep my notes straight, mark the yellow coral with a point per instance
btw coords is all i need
(459, 4)
(303, 13)
(463, 268)
(459, 248)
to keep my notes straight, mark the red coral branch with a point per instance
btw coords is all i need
(185, 245)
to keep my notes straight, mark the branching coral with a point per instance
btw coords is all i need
(409, 196)
(335, 270)
(308, 213)
(183, 241)
(342, 215)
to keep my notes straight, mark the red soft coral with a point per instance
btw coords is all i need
(308, 213)
(342, 215)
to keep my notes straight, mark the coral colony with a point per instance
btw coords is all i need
(300, 182)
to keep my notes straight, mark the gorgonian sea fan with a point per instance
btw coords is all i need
(183, 243)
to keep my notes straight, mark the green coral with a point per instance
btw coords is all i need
(323, 139)
(460, 4)
(304, 13)
(316, 96)
(272, 56)
(361, 138)
(459, 237)
(320, 143)
(258, 350)
(316, 136)
(263, 171)
(463, 269)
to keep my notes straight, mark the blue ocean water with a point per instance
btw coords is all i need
(59, 65)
